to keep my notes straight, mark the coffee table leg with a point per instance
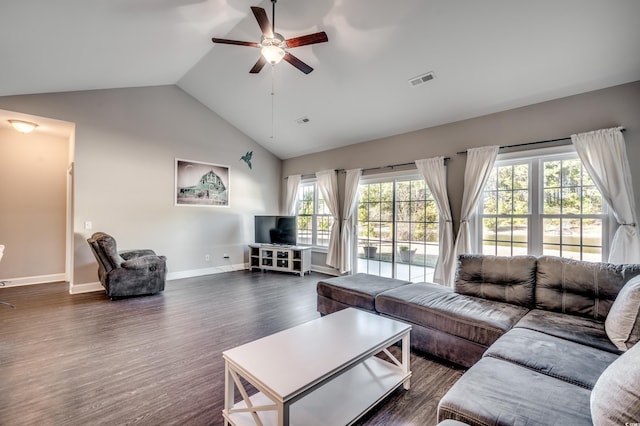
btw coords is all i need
(229, 391)
(406, 352)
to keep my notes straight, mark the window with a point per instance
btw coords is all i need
(314, 218)
(398, 228)
(543, 204)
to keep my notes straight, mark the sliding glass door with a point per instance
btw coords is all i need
(398, 228)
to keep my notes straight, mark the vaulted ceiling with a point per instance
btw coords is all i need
(486, 56)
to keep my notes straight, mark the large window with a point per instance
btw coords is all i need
(314, 219)
(543, 204)
(398, 228)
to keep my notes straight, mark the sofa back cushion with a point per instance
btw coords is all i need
(504, 279)
(578, 287)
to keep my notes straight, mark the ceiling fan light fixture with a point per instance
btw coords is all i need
(23, 126)
(273, 54)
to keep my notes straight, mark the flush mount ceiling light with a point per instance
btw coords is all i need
(23, 126)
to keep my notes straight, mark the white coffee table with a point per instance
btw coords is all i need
(323, 372)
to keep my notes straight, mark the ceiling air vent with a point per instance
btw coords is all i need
(417, 81)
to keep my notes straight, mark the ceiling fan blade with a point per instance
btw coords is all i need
(236, 42)
(297, 63)
(320, 37)
(258, 66)
(263, 21)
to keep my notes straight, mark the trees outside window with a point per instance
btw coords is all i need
(314, 219)
(544, 204)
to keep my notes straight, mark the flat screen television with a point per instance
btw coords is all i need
(276, 230)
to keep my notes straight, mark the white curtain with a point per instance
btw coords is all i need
(604, 155)
(350, 201)
(293, 183)
(435, 175)
(480, 162)
(328, 185)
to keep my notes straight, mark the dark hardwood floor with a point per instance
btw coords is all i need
(85, 360)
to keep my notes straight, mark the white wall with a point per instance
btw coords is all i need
(126, 142)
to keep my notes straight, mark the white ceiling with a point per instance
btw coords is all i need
(487, 56)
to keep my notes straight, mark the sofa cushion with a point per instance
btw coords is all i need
(615, 399)
(576, 329)
(496, 392)
(623, 322)
(580, 288)
(500, 278)
(357, 290)
(438, 307)
(571, 362)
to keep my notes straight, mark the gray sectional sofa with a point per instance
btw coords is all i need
(545, 337)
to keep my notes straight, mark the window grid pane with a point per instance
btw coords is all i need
(305, 214)
(505, 211)
(572, 210)
(571, 218)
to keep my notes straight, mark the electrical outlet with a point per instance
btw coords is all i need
(225, 256)
(207, 258)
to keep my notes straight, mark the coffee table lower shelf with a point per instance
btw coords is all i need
(341, 401)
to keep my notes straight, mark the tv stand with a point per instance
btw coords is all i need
(284, 258)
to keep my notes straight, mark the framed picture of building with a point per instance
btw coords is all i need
(201, 184)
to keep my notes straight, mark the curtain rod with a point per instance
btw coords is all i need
(534, 143)
(390, 166)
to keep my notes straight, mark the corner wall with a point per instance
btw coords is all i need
(619, 105)
(126, 142)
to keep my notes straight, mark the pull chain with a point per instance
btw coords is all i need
(272, 100)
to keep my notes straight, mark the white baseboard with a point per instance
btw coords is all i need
(97, 286)
(325, 270)
(40, 279)
(206, 271)
(85, 288)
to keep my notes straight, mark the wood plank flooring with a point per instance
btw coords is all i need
(85, 360)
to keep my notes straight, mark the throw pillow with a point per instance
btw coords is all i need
(623, 322)
(615, 398)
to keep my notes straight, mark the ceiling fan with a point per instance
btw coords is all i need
(273, 46)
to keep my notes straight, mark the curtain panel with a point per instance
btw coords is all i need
(348, 209)
(480, 162)
(328, 185)
(435, 175)
(604, 155)
(293, 184)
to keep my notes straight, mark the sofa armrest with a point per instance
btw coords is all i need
(150, 262)
(131, 254)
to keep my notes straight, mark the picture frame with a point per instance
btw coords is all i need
(201, 184)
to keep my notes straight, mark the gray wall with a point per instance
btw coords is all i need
(126, 142)
(619, 105)
(33, 173)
